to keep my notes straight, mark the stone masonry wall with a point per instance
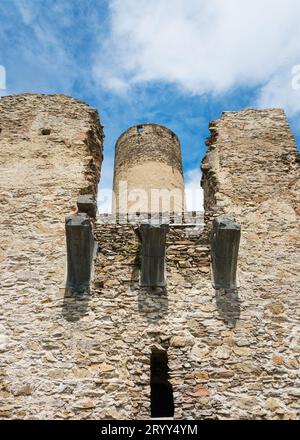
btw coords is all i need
(147, 158)
(158, 143)
(252, 170)
(231, 354)
(50, 151)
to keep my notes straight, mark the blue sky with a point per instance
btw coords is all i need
(179, 63)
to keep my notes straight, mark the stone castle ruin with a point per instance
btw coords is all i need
(148, 165)
(107, 318)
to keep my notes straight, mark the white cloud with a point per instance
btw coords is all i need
(193, 190)
(104, 197)
(280, 91)
(36, 49)
(202, 46)
(2, 78)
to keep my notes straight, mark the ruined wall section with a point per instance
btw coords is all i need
(252, 158)
(135, 320)
(252, 170)
(50, 151)
(232, 355)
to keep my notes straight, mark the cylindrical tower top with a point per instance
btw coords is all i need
(148, 159)
(148, 142)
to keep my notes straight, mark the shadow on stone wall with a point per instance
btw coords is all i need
(228, 305)
(75, 305)
(135, 273)
(153, 303)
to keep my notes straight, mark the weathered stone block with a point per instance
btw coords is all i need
(81, 249)
(86, 203)
(224, 252)
(153, 250)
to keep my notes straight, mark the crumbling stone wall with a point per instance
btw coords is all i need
(252, 170)
(252, 159)
(231, 354)
(50, 151)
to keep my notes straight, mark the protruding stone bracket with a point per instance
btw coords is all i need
(87, 204)
(81, 251)
(153, 251)
(225, 242)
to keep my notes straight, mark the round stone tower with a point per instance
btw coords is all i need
(148, 171)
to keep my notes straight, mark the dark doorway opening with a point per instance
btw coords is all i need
(162, 402)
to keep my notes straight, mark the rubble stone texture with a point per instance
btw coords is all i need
(50, 152)
(233, 354)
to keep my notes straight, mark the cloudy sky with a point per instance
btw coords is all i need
(179, 63)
